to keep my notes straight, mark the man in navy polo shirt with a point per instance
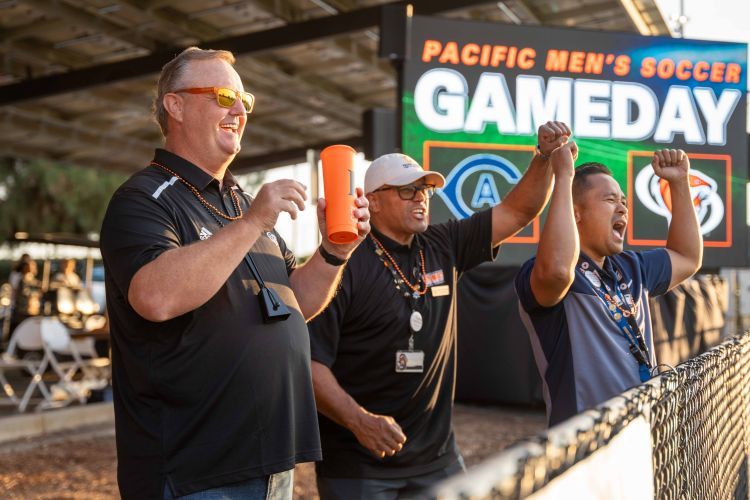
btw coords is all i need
(583, 300)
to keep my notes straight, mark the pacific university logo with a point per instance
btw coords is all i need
(648, 195)
(485, 192)
(655, 194)
(478, 176)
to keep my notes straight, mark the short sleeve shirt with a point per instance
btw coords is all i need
(367, 323)
(214, 396)
(582, 356)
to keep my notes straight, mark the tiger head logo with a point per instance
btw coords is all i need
(655, 195)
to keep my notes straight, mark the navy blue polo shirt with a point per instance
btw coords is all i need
(582, 356)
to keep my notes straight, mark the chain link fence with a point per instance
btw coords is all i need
(699, 436)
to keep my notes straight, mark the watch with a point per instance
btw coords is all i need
(330, 258)
(541, 155)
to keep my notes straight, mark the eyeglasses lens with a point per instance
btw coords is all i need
(407, 193)
(227, 97)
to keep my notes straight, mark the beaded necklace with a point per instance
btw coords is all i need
(204, 202)
(414, 288)
(272, 307)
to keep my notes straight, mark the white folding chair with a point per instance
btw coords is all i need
(57, 341)
(26, 336)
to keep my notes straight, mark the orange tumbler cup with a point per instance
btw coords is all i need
(338, 182)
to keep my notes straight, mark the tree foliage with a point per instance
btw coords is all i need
(44, 196)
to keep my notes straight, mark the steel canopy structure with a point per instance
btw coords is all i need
(77, 76)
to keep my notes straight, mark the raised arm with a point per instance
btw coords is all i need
(315, 283)
(557, 253)
(527, 199)
(380, 434)
(684, 240)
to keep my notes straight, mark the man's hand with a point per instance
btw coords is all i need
(563, 160)
(379, 433)
(361, 213)
(684, 240)
(551, 136)
(284, 195)
(671, 164)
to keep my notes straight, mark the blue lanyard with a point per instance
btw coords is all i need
(625, 321)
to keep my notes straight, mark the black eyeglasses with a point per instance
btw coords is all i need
(408, 193)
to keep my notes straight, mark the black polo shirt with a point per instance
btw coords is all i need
(367, 322)
(213, 396)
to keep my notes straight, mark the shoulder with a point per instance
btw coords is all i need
(144, 182)
(627, 257)
(363, 259)
(440, 235)
(648, 258)
(139, 203)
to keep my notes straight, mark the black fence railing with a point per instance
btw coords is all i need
(693, 420)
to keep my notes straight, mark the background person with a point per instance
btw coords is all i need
(210, 399)
(27, 296)
(67, 277)
(14, 278)
(583, 300)
(384, 351)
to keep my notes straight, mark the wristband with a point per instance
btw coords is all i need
(542, 155)
(330, 258)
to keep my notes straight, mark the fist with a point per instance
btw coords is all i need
(563, 160)
(380, 434)
(671, 164)
(551, 136)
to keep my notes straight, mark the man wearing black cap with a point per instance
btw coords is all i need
(384, 350)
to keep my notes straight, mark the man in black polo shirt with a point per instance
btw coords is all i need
(384, 350)
(212, 388)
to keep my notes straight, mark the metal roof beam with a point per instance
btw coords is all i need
(247, 164)
(284, 36)
(70, 134)
(585, 10)
(528, 15)
(43, 54)
(83, 19)
(289, 12)
(335, 105)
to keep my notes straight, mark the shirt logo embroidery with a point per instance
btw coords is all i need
(272, 237)
(205, 234)
(434, 278)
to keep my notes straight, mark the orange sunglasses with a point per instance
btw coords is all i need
(224, 97)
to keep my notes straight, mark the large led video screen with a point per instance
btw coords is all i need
(474, 94)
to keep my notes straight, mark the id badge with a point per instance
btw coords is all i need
(409, 361)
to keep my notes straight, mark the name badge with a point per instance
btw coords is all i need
(409, 361)
(434, 278)
(440, 291)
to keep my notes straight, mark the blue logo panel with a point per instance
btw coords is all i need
(485, 192)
